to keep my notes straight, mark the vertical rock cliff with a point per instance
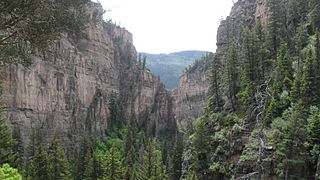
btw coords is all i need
(191, 95)
(68, 89)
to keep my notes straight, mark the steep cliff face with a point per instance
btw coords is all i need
(191, 96)
(68, 89)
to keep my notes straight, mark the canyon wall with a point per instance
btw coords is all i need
(69, 88)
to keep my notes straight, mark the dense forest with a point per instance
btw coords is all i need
(262, 120)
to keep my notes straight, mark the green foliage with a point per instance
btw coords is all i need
(282, 84)
(177, 158)
(152, 163)
(39, 168)
(82, 158)
(201, 147)
(113, 169)
(9, 173)
(6, 141)
(232, 75)
(309, 82)
(291, 137)
(96, 166)
(192, 176)
(215, 101)
(25, 25)
(59, 167)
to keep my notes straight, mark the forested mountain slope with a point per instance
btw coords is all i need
(169, 67)
(262, 118)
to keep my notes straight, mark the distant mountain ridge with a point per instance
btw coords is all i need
(171, 66)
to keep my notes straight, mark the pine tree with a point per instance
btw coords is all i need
(130, 149)
(282, 85)
(309, 86)
(192, 176)
(291, 151)
(277, 25)
(262, 57)
(201, 148)
(6, 141)
(58, 163)
(96, 168)
(144, 62)
(152, 164)
(46, 21)
(138, 172)
(139, 60)
(215, 102)
(232, 74)
(114, 170)
(40, 166)
(82, 159)
(177, 158)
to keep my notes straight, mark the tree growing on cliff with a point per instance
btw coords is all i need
(232, 74)
(25, 25)
(215, 102)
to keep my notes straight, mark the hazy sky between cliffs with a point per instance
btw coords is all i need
(165, 26)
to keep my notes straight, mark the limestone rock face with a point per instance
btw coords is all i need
(191, 97)
(68, 89)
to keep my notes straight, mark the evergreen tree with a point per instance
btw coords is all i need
(152, 164)
(232, 74)
(193, 176)
(130, 148)
(40, 168)
(177, 158)
(82, 159)
(6, 141)
(139, 60)
(96, 168)
(291, 151)
(309, 87)
(26, 25)
(277, 25)
(144, 62)
(59, 167)
(114, 170)
(250, 70)
(282, 84)
(215, 95)
(138, 172)
(201, 148)
(315, 16)
(9, 173)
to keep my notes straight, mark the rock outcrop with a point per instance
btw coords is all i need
(68, 89)
(191, 96)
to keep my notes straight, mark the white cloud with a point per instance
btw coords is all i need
(164, 26)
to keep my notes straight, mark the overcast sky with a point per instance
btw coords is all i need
(165, 26)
